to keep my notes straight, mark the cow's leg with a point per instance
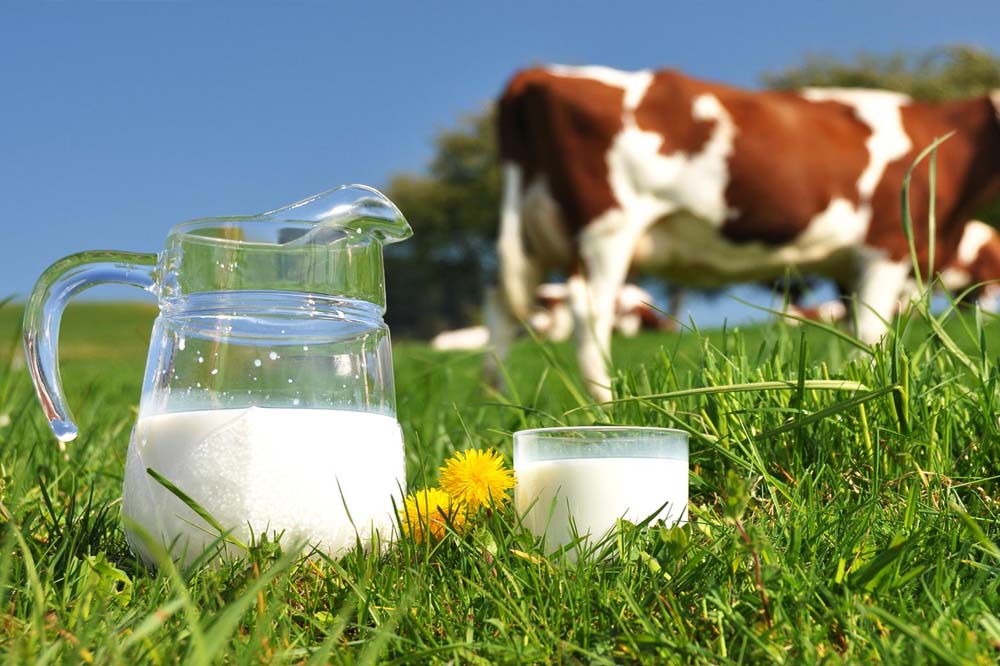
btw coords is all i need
(592, 349)
(606, 249)
(880, 283)
(519, 276)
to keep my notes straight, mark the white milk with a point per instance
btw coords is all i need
(596, 492)
(287, 471)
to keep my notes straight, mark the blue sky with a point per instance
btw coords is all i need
(118, 120)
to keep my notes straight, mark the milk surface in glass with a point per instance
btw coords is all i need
(321, 476)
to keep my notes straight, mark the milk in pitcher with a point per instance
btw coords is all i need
(317, 477)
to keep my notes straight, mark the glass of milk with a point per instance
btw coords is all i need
(268, 397)
(576, 482)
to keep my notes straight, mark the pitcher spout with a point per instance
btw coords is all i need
(348, 210)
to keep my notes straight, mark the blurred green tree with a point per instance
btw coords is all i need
(436, 279)
(438, 276)
(949, 72)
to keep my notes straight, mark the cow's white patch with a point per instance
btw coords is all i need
(995, 98)
(879, 109)
(710, 167)
(840, 225)
(649, 185)
(707, 107)
(975, 235)
(635, 84)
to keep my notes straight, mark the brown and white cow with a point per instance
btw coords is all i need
(705, 184)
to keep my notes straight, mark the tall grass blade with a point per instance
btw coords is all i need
(906, 213)
(837, 408)
(811, 384)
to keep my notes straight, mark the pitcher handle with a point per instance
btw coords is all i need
(43, 313)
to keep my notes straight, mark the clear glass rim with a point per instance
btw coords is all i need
(555, 430)
(188, 231)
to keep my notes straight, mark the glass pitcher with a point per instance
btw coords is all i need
(268, 397)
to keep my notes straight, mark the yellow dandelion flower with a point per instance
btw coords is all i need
(427, 513)
(477, 478)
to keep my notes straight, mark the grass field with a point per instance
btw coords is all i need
(828, 526)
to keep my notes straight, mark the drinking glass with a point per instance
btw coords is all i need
(576, 482)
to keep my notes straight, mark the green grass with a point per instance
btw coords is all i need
(827, 526)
